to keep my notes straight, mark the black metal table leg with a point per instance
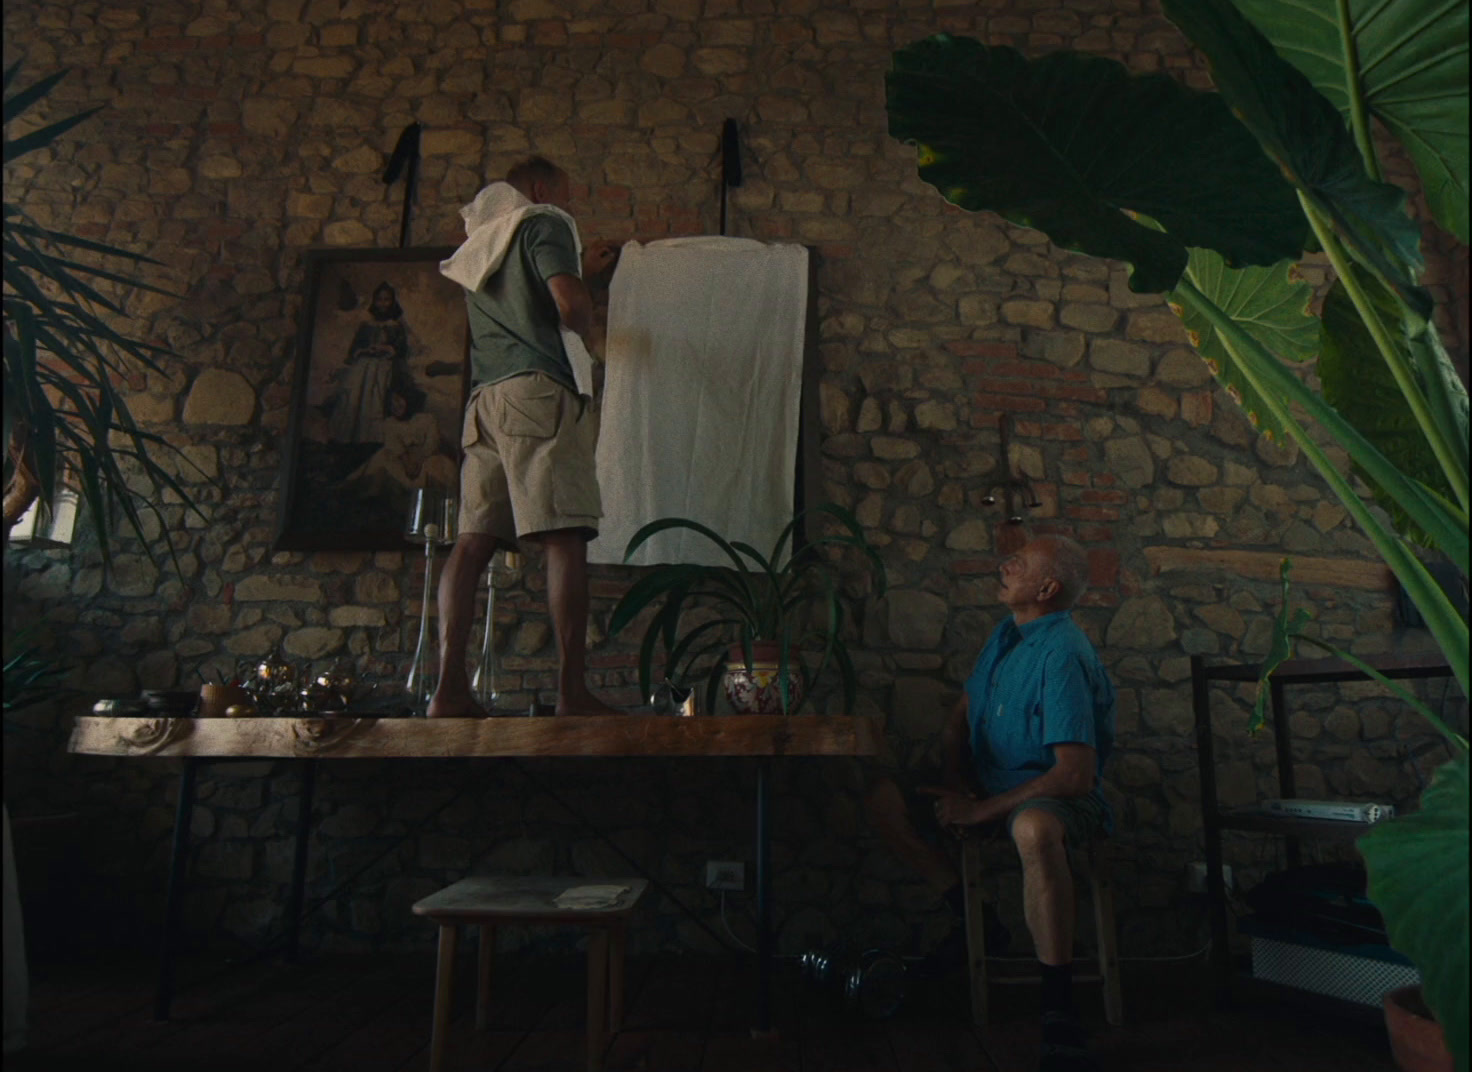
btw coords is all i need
(763, 901)
(299, 864)
(174, 899)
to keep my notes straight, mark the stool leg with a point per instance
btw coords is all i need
(597, 996)
(484, 956)
(617, 941)
(1103, 892)
(975, 928)
(444, 976)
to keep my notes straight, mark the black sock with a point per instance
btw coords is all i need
(1057, 988)
(956, 898)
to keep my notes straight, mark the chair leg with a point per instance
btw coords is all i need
(597, 996)
(444, 977)
(975, 929)
(1103, 894)
(617, 941)
(484, 956)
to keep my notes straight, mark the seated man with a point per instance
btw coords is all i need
(1024, 746)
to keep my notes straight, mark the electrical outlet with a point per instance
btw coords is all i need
(725, 875)
(1196, 877)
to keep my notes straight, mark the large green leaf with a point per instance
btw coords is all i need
(1069, 143)
(1269, 303)
(1303, 131)
(1418, 879)
(1410, 66)
(1358, 384)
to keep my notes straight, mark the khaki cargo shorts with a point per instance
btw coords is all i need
(529, 460)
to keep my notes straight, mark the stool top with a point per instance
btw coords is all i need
(567, 898)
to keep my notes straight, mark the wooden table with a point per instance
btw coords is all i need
(197, 740)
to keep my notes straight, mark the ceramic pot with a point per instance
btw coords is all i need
(1416, 1040)
(757, 691)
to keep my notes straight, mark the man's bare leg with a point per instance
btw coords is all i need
(456, 598)
(1047, 884)
(890, 819)
(567, 599)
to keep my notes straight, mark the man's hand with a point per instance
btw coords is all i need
(597, 256)
(954, 810)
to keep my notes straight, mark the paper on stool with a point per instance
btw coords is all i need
(577, 897)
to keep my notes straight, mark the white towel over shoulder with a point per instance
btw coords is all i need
(701, 393)
(491, 221)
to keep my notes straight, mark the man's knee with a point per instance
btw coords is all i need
(1037, 832)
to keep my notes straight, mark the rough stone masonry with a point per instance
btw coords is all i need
(236, 135)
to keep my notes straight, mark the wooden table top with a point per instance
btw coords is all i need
(443, 738)
(487, 898)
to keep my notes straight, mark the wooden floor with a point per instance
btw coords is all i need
(371, 1014)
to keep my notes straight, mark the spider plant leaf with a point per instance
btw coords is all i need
(1070, 144)
(39, 139)
(646, 590)
(1302, 131)
(1408, 63)
(698, 634)
(61, 238)
(23, 99)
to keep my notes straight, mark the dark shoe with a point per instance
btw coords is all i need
(1065, 1044)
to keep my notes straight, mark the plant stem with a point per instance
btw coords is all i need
(1359, 119)
(1451, 465)
(1394, 686)
(1449, 629)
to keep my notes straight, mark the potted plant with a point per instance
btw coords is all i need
(751, 621)
(1212, 198)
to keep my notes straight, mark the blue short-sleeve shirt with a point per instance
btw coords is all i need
(1035, 686)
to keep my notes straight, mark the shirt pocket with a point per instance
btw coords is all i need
(531, 414)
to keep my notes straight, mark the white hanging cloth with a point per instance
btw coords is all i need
(703, 380)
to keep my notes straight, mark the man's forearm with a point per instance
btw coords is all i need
(1056, 782)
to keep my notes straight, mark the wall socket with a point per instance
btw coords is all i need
(1196, 876)
(725, 875)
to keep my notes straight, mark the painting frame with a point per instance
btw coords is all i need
(378, 395)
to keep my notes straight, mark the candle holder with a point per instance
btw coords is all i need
(432, 521)
(483, 684)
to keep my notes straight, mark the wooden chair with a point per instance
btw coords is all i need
(1091, 864)
(488, 903)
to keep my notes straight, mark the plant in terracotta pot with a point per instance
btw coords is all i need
(750, 623)
(1212, 198)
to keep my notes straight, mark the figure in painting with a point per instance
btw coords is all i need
(410, 456)
(377, 358)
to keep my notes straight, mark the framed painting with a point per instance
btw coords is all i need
(381, 379)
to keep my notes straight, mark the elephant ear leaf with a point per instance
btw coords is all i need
(1360, 386)
(1270, 304)
(1303, 132)
(1072, 144)
(1408, 62)
(1417, 866)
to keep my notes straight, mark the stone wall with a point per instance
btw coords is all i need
(235, 136)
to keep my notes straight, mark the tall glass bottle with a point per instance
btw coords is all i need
(484, 683)
(432, 521)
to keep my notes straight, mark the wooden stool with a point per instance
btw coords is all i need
(1091, 863)
(491, 902)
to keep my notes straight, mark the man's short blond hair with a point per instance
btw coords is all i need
(532, 170)
(1070, 568)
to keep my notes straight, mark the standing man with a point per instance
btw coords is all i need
(1024, 746)
(529, 434)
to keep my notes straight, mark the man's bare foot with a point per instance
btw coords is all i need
(441, 706)
(585, 703)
